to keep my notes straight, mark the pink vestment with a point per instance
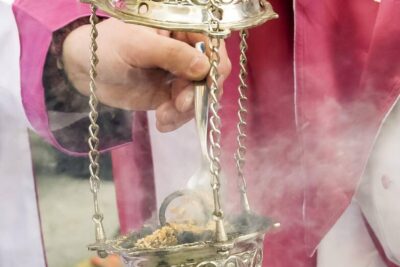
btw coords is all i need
(322, 79)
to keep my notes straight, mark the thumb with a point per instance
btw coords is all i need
(174, 56)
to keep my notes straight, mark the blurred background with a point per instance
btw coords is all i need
(65, 204)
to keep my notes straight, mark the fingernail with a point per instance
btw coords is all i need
(188, 99)
(199, 66)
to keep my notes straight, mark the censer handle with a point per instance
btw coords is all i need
(201, 106)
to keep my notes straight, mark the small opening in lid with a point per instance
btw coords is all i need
(143, 8)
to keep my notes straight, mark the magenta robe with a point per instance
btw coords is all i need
(321, 81)
(320, 90)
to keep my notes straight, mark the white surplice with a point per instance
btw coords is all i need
(20, 235)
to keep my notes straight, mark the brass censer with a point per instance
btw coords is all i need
(235, 241)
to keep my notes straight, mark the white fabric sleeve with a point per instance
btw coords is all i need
(348, 243)
(20, 235)
(379, 191)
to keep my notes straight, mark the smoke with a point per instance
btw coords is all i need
(300, 175)
(306, 177)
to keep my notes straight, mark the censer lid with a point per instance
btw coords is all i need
(188, 15)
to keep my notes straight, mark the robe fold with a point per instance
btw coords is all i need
(323, 78)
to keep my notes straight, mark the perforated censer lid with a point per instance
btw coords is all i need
(188, 15)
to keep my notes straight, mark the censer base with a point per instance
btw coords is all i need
(243, 248)
(245, 252)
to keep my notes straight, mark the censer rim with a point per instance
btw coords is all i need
(114, 247)
(227, 27)
(181, 247)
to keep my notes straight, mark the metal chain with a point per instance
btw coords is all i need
(242, 124)
(93, 139)
(215, 120)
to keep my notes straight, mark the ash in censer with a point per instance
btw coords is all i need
(173, 234)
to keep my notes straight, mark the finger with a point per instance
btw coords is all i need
(190, 37)
(110, 261)
(225, 65)
(182, 94)
(157, 51)
(169, 118)
(164, 32)
(174, 126)
(177, 86)
(128, 98)
(185, 99)
(193, 38)
(220, 83)
(166, 113)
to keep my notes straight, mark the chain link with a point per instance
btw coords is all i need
(93, 139)
(242, 117)
(215, 120)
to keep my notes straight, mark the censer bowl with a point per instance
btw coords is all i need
(243, 248)
(246, 251)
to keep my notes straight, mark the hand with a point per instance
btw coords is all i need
(141, 68)
(110, 261)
